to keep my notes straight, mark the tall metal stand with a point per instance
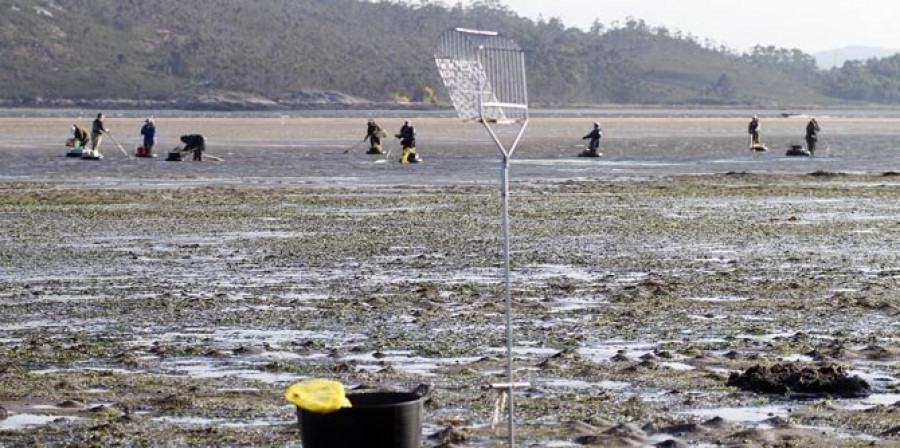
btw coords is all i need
(485, 76)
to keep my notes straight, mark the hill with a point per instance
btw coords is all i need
(302, 53)
(837, 57)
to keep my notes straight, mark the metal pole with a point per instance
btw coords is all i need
(504, 200)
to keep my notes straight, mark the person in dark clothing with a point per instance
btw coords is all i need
(97, 131)
(407, 138)
(595, 135)
(753, 130)
(80, 136)
(148, 130)
(374, 134)
(195, 143)
(812, 131)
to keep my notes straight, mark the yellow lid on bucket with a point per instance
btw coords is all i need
(318, 395)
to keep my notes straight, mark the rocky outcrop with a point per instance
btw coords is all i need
(789, 379)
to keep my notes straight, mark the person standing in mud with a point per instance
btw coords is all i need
(148, 131)
(97, 131)
(595, 135)
(374, 134)
(195, 143)
(407, 138)
(812, 135)
(753, 130)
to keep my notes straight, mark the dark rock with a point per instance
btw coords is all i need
(778, 422)
(664, 354)
(626, 430)
(213, 353)
(878, 353)
(821, 173)
(449, 435)
(598, 422)
(589, 439)
(785, 379)
(683, 428)
(548, 363)
(715, 422)
(671, 443)
(343, 368)
(71, 404)
(248, 350)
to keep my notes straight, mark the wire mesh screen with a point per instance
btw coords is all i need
(484, 73)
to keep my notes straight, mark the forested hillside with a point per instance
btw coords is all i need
(277, 51)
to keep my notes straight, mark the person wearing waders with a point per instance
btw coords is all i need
(407, 138)
(595, 135)
(812, 131)
(80, 136)
(148, 130)
(97, 131)
(195, 143)
(753, 130)
(374, 134)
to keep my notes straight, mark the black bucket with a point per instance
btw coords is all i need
(376, 420)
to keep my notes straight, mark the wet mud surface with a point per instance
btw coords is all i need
(148, 311)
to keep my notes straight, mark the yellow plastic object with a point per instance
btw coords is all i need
(318, 395)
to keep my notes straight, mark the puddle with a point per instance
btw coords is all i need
(577, 384)
(220, 422)
(717, 299)
(233, 337)
(742, 414)
(677, 366)
(603, 354)
(870, 402)
(576, 304)
(876, 379)
(24, 421)
(401, 360)
(210, 370)
(80, 369)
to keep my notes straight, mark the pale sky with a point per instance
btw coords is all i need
(809, 25)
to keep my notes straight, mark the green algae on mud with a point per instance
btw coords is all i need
(187, 311)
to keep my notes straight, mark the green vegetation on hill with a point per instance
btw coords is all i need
(274, 49)
(875, 80)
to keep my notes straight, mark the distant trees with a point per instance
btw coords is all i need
(875, 80)
(794, 62)
(382, 51)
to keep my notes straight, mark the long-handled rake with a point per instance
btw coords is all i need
(484, 73)
(113, 137)
(353, 147)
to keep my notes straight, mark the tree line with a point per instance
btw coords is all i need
(382, 51)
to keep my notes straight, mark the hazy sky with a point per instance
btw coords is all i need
(805, 24)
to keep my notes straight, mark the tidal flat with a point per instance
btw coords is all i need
(176, 314)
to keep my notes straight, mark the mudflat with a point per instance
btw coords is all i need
(171, 303)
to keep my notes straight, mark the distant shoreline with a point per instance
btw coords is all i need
(394, 111)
